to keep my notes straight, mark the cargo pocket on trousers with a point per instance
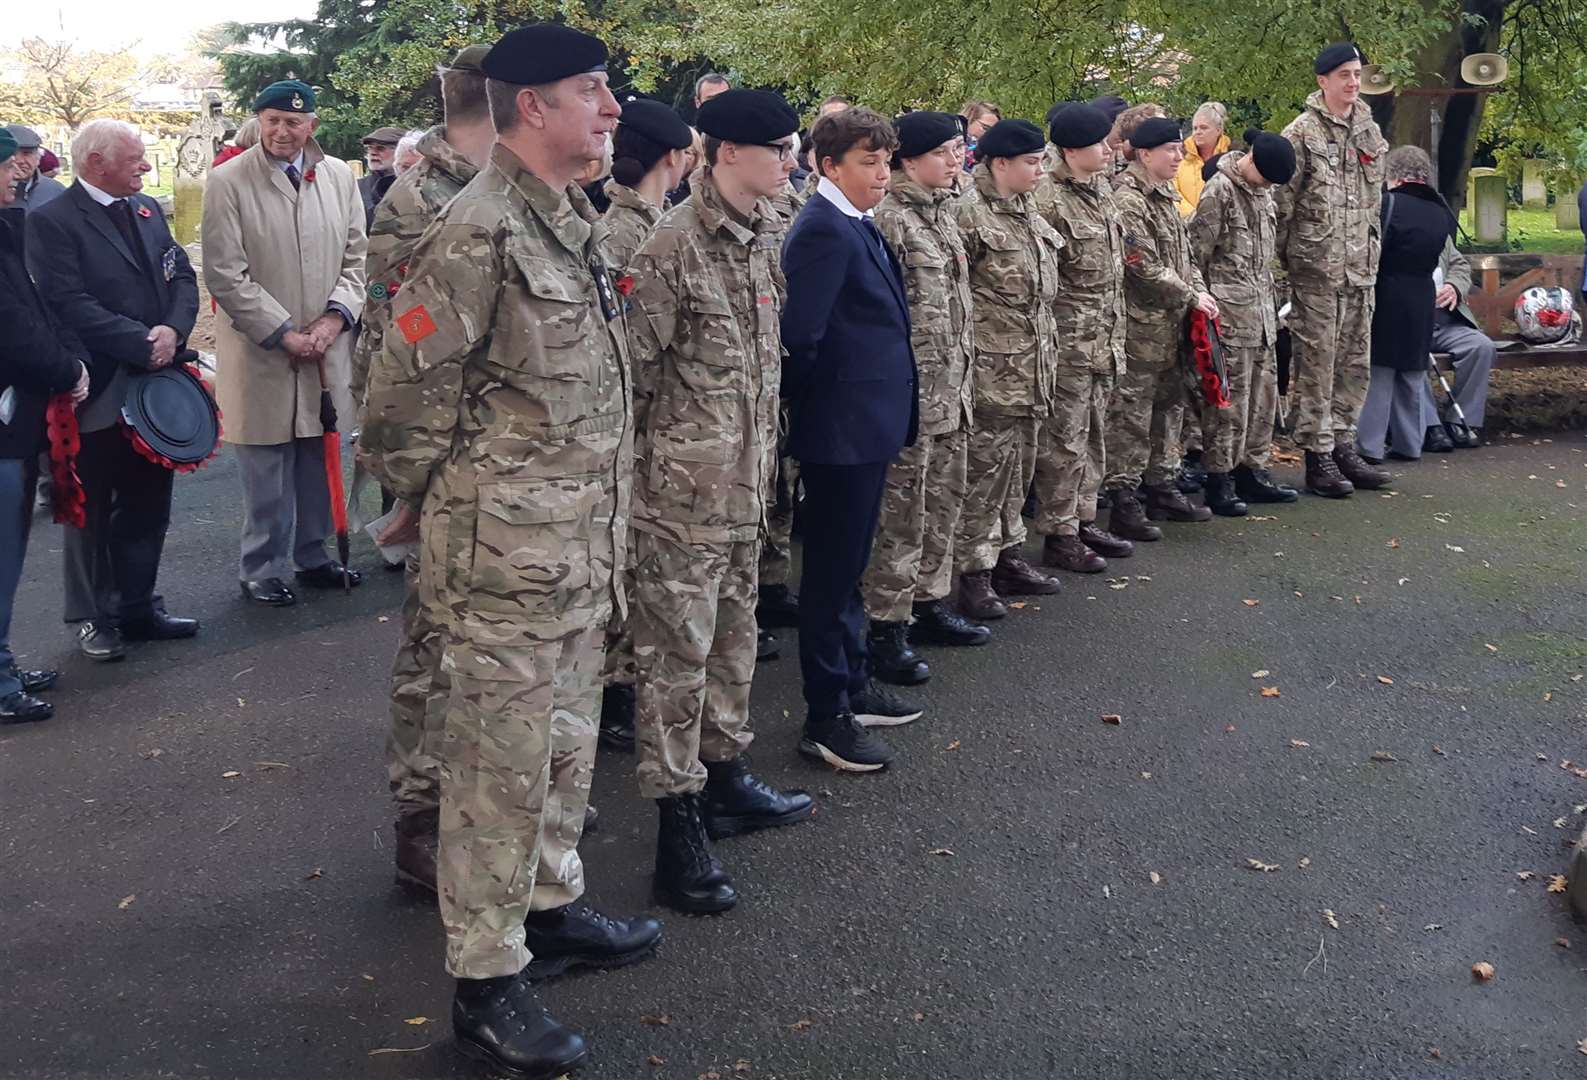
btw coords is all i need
(531, 549)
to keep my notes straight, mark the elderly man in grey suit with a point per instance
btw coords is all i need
(1455, 332)
(284, 259)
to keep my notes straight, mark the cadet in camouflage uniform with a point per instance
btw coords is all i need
(649, 158)
(1088, 311)
(418, 690)
(500, 405)
(707, 360)
(1329, 242)
(1013, 256)
(1161, 286)
(910, 572)
(1232, 236)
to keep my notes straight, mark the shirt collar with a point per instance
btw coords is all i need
(834, 195)
(295, 163)
(95, 194)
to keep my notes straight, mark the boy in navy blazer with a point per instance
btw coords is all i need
(849, 382)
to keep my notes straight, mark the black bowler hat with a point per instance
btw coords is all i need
(172, 413)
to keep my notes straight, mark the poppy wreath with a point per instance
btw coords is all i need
(1206, 348)
(67, 499)
(149, 453)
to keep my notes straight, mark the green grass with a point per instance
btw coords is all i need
(1533, 231)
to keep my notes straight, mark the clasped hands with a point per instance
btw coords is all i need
(309, 345)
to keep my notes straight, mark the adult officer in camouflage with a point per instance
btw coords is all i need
(649, 157)
(707, 360)
(1329, 241)
(452, 154)
(1161, 286)
(1232, 236)
(500, 406)
(1088, 311)
(911, 568)
(1013, 256)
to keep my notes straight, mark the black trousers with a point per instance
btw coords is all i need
(839, 513)
(112, 562)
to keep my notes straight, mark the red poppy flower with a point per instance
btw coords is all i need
(308, 177)
(144, 211)
(625, 284)
(1366, 158)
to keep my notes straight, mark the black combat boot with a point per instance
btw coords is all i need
(777, 605)
(1358, 472)
(500, 1022)
(1166, 501)
(418, 838)
(1190, 477)
(766, 647)
(688, 877)
(736, 801)
(617, 717)
(1070, 553)
(1105, 543)
(935, 623)
(1323, 477)
(1220, 497)
(892, 659)
(576, 935)
(1127, 518)
(977, 598)
(1013, 576)
(1257, 486)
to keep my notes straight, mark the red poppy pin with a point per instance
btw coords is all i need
(1366, 158)
(144, 212)
(308, 177)
(625, 284)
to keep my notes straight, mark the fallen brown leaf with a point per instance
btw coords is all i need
(1482, 970)
(1434, 1052)
(1558, 884)
(1385, 680)
(1228, 729)
(1304, 863)
(1490, 648)
(1259, 865)
(1112, 718)
(1581, 1047)
(1383, 755)
(1157, 879)
(742, 1065)
(918, 1017)
(1330, 918)
(1563, 943)
(1270, 691)
(801, 1025)
(1251, 603)
(230, 775)
(1264, 673)
(1559, 822)
(655, 1061)
(1299, 744)
(1017, 605)
(940, 851)
(1525, 875)
(314, 873)
(954, 745)
(417, 1021)
(126, 902)
(655, 1019)
(1439, 750)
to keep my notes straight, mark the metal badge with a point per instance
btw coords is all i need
(603, 288)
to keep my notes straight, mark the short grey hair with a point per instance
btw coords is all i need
(248, 135)
(407, 143)
(99, 137)
(1409, 163)
(503, 99)
(1215, 111)
(711, 77)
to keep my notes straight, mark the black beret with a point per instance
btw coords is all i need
(1209, 168)
(752, 117)
(289, 95)
(1335, 55)
(1111, 104)
(1055, 110)
(1080, 126)
(543, 53)
(1273, 154)
(922, 132)
(657, 122)
(1154, 132)
(1010, 138)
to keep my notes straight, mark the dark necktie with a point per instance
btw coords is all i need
(121, 214)
(294, 176)
(874, 233)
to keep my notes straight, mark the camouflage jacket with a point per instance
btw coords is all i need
(920, 226)
(1232, 235)
(1013, 258)
(1089, 306)
(410, 205)
(1328, 230)
(1161, 281)
(628, 221)
(788, 202)
(501, 401)
(706, 350)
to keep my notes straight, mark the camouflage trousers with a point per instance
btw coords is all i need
(1191, 432)
(1242, 434)
(776, 540)
(1072, 456)
(418, 714)
(693, 619)
(618, 668)
(517, 758)
(1000, 460)
(1331, 331)
(912, 555)
(1143, 425)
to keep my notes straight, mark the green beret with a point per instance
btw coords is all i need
(8, 145)
(543, 53)
(470, 58)
(287, 96)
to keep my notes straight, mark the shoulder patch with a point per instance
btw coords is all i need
(415, 324)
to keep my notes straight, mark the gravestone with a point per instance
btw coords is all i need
(1534, 185)
(1567, 211)
(1486, 207)
(194, 152)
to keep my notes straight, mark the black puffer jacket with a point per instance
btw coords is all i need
(38, 356)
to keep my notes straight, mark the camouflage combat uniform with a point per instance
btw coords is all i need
(776, 542)
(1013, 255)
(912, 555)
(1232, 235)
(501, 406)
(1161, 283)
(1089, 313)
(1329, 241)
(418, 704)
(707, 358)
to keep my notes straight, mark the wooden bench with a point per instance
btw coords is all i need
(1499, 279)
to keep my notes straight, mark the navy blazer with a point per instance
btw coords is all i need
(101, 289)
(849, 379)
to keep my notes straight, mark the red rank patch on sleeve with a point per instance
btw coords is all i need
(415, 324)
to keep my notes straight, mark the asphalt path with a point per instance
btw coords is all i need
(197, 849)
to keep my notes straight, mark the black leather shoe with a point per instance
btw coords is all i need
(592, 818)
(23, 708)
(617, 717)
(839, 741)
(1324, 478)
(688, 876)
(101, 642)
(892, 659)
(1358, 472)
(766, 647)
(576, 935)
(501, 1023)
(328, 576)
(1190, 477)
(1105, 543)
(272, 592)
(935, 623)
(417, 843)
(736, 801)
(877, 706)
(1257, 486)
(1437, 441)
(1220, 497)
(34, 682)
(1463, 437)
(158, 627)
(777, 605)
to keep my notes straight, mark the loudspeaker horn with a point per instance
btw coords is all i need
(1374, 80)
(1484, 69)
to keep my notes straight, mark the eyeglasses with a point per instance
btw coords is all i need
(784, 150)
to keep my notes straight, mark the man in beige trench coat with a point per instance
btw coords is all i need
(283, 235)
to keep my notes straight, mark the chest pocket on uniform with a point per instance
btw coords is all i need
(551, 323)
(709, 342)
(1089, 256)
(925, 268)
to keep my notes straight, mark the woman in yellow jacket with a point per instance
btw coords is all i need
(1206, 141)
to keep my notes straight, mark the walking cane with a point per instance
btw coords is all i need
(1464, 434)
(333, 474)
